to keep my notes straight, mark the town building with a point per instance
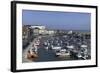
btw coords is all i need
(27, 35)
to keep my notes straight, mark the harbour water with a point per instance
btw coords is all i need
(45, 55)
(49, 55)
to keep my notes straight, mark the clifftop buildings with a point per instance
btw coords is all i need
(41, 30)
(29, 32)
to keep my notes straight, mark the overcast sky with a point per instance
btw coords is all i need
(57, 20)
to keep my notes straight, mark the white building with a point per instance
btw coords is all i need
(38, 26)
(50, 32)
(38, 29)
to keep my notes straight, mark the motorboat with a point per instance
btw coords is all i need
(56, 48)
(63, 53)
(70, 47)
(79, 55)
(83, 46)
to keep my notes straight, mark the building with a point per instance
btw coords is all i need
(39, 30)
(27, 35)
(51, 32)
